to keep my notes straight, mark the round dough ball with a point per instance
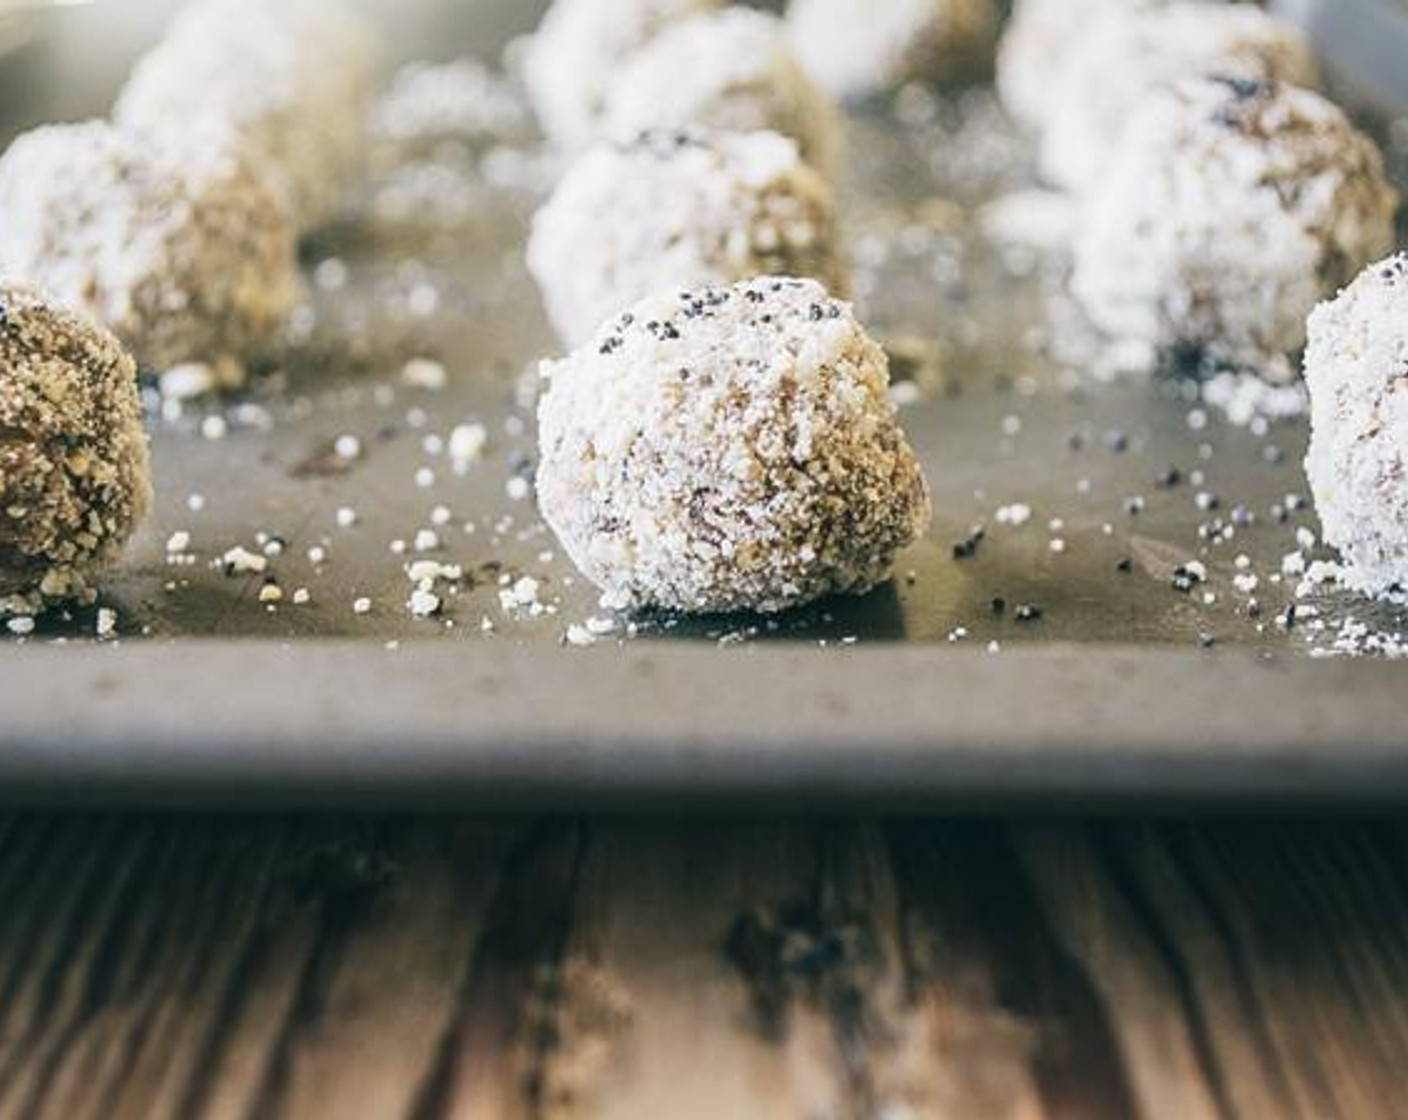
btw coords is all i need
(577, 51)
(75, 479)
(1038, 42)
(1124, 57)
(1230, 210)
(729, 449)
(856, 49)
(680, 209)
(733, 72)
(1359, 425)
(175, 244)
(292, 77)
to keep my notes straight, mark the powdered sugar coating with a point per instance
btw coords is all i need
(855, 49)
(1037, 44)
(731, 71)
(580, 47)
(292, 77)
(729, 449)
(1122, 57)
(680, 209)
(1230, 210)
(174, 244)
(75, 478)
(1356, 367)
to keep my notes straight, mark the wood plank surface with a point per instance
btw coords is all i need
(639, 970)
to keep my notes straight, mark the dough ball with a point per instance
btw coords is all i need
(176, 245)
(729, 449)
(1123, 57)
(680, 209)
(732, 71)
(1231, 208)
(293, 77)
(75, 479)
(1038, 42)
(578, 50)
(856, 49)
(1354, 367)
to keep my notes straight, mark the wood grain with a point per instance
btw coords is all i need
(635, 970)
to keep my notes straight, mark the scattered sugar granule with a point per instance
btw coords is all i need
(1014, 515)
(362, 606)
(467, 442)
(424, 373)
(580, 636)
(421, 571)
(346, 517)
(106, 624)
(423, 603)
(520, 595)
(240, 561)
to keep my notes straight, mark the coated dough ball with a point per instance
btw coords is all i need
(1230, 210)
(292, 77)
(75, 479)
(680, 209)
(729, 449)
(856, 49)
(176, 245)
(580, 47)
(1037, 44)
(733, 72)
(1359, 425)
(1122, 58)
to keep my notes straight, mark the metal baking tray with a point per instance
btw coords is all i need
(1118, 690)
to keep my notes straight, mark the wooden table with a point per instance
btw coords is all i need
(565, 968)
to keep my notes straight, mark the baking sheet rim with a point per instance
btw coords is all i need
(258, 725)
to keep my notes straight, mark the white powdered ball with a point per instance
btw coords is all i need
(75, 479)
(1038, 42)
(175, 244)
(580, 47)
(680, 209)
(1354, 368)
(732, 71)
(1122, 58)
(729, 449)
(856, 49)
(1231, 208)
(293, 77)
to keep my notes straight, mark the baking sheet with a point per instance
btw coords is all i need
(1144, 683)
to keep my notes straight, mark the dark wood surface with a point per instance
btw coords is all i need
(624, 969)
